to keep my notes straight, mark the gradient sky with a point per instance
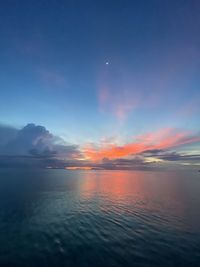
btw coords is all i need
(103, 74)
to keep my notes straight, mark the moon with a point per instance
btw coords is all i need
(107, 63)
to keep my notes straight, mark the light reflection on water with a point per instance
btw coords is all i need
(172, 195)
(99, 218)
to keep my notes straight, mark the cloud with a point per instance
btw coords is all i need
(34, 146)
(163, 139)
(174, 156)
(35, 141)
(7, 133)
(152, 152)
(171, 155)
(136, 162)
(120, 104)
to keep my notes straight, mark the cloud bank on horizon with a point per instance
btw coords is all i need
(34, 146)
(132, 74)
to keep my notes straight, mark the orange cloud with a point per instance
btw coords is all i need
(163, 139)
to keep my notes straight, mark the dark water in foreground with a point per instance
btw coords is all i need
(99, 218)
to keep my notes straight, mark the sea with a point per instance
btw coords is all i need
(99, 218)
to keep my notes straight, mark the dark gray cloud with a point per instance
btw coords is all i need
(28, 138)
(170, 155)
(137, 162)
(33, 144)
(174, 156)
(7, 133)
(152, 152)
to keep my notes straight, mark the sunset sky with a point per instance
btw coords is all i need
(100, 84)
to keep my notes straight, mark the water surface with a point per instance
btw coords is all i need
(99, 218)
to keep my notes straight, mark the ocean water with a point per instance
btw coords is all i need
(99, 218)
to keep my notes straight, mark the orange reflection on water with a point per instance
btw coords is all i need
(113, 184)
(128, 191)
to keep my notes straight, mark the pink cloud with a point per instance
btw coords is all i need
(164, 139)
(120, 104)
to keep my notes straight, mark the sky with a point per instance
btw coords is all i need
(101, 84)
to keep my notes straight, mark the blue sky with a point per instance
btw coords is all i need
(100, 70)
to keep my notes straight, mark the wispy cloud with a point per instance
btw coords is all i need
(118, 104)
(163, 139)
(171, 155)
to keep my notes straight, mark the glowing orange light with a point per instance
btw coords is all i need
(79, 168)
